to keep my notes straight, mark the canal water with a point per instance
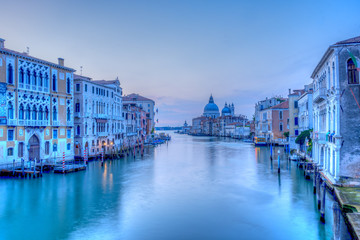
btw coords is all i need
(190, 188)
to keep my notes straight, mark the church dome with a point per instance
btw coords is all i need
(211, 109)
(225, 110)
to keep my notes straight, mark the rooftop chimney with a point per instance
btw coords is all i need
(2, 41)
(289, 90)
(61, 61)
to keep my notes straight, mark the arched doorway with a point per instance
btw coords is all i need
(34, 151)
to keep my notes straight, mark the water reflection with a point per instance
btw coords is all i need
(192, 188)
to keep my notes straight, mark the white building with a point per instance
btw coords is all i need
(336, 144)
(98, 116)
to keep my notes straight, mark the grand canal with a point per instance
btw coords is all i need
(190, 188)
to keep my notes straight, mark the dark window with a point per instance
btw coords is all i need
(21, 75)
(69, 133)
(353, 74)
(54, 83)
(68, 114)
(21, 112)
(296, 132)
(55, 134)
(77, 107)
(10, 135)
(47, 147)
(10, 74)
(78, 130)
(10, 111)
(21, 150)
(85, 87)
(68, 146)
(10, 152)
(78, 87)
(93, 90)
(296, 121)
(68, 85)
(281, 127)
(296, 104)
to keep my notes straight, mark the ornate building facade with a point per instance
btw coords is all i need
(36, 98)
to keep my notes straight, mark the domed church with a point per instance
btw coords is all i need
(228, 110)
(211, 109)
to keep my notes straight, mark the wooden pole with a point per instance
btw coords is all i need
(63, 166)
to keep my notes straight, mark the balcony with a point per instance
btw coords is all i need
(102, 134)
(31, 123)
(319, 95)
(69, 123)
(101, 116)
(77, 114)
(56, 123)
(12, 122)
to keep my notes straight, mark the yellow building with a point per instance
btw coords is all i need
(36, 106)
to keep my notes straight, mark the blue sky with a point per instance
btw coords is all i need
(179, 52)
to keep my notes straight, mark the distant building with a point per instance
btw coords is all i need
(305, 103)
(259, 107)
(146, 104)
(211, 110)
(294, 116)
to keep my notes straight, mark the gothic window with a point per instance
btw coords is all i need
(27, 112)
(10, 74)
(21, 111)
(40, 113)
(34, 76)
(333, 74)
(68, 115)
(46, 80)
(281, 127)
(86, 129)
(353, 74)
(54, 83)
(46, 116)
(68, 85)
(10, 111)
(40, 79)
(21, 75)
(54, 114)
(28, 75)
(34, 113)
(93, 129)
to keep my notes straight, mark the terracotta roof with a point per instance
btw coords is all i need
(26, 56)
(282, 105)
(349, 41)
(81, 77)
(136, 97)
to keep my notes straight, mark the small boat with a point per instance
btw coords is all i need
(294, 157)
(260, 141)
(248, 140)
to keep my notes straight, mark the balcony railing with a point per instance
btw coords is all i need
(12, 122)
(29, 123)
(100, 115)
(102, 134)
(319, 95)
(56, 123)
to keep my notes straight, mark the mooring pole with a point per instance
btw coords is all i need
(63, 166)
(13, 167)
(322, 209)
(22, 166)
(314, 180)
(279, 161)
(271, 151)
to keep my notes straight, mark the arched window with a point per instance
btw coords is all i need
(93, 128)
(10, 74)
(86, 130)
(86, 106)
(27, 112)
(54, 114)
(54, 83)
(34, 76)
(68, 85)
(68, 114)
(10, 111)
(333, 74)
(21, 111)
(40, 79)
(46, 80)
(21, 75)
(353, 74)
(77, 106)
(40, 113)
(46, 116)
(34, 113)
(28, 76)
